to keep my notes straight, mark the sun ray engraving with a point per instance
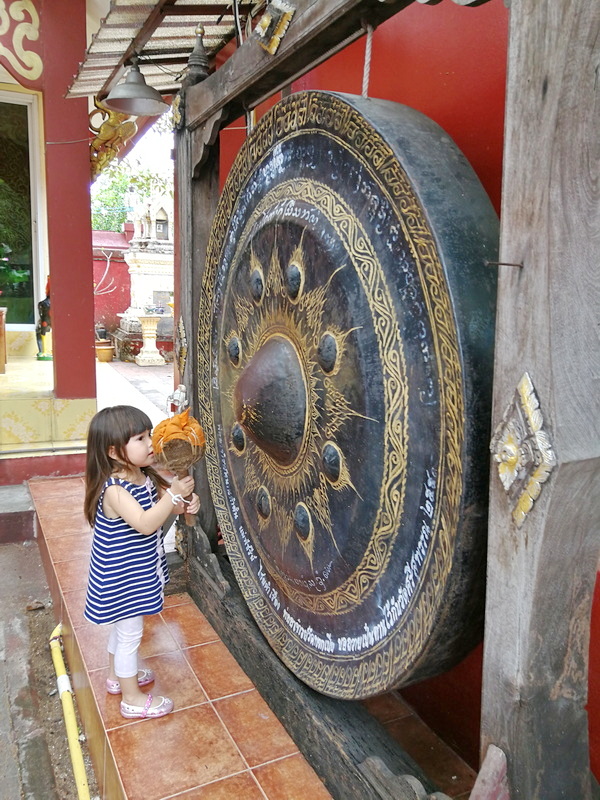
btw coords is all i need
(338, 409)
(278, 304)
(243, 311)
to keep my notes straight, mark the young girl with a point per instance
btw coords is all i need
(127, 502)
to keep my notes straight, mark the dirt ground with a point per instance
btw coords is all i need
(43, 685)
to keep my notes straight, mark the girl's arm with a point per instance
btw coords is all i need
(118, 502)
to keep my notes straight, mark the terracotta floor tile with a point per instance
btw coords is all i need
(75, 603)
(177, 599)
(240, 787)
(208, 754)
(188, 625)
(56, 488)
(174, 678)
(202, 749)
(108, 704)
(291, 778)
(51, 576)
(217, 670)
(112, 784)
(387, 707)
(55, 522)
(66, 548)
(60, 505)
(92, 640)
(72, 574)
(255, 729)
(157, 637)
(451, 774)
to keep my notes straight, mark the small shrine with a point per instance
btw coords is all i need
(145, 332)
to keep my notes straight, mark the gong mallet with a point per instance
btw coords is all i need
(179, 443)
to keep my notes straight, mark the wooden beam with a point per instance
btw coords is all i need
(542, 566)
(317, 29)
(204, 9)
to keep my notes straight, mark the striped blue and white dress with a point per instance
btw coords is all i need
(128, 570)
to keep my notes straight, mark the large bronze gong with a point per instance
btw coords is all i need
(346, 337)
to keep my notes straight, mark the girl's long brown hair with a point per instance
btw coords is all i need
(112, 427)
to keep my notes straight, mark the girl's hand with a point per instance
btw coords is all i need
(183, 486)
(194, 505)
(179, 508)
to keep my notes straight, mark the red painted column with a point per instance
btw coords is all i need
(63, 35)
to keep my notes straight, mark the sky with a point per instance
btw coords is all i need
(154, 151)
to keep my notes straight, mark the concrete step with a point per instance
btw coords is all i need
(17, 514)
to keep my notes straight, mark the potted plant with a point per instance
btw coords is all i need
(104, 347)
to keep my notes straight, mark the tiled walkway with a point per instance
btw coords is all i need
(222, 742)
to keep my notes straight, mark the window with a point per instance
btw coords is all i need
(161, 224)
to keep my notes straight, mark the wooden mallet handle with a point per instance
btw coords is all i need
(190, 519)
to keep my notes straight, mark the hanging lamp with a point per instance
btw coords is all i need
(134, 97)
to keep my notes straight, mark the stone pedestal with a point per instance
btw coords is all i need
(149, 355)
(128, 341)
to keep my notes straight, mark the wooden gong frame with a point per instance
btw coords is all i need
(541, 576)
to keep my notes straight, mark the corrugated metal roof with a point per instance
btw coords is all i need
(161, 34)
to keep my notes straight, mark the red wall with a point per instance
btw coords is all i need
(448, 62)
(67, 183)
(108, 305)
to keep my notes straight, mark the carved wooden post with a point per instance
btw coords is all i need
(545, 483)
(198, 187)
(197, 182)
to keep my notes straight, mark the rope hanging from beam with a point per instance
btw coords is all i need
(367, 67)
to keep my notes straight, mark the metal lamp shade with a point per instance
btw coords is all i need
(135, 97)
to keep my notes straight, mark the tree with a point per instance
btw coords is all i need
(111, 192)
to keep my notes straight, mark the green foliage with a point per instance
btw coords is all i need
(109, 210)
(112, 192)
(15, 219)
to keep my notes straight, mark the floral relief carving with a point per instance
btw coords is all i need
(13, 37)
(522, 450)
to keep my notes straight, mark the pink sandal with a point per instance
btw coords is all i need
(145, 676)
(138, 712)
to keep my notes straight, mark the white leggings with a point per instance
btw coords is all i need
(123, 642)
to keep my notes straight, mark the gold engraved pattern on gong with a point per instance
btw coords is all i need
(343, 598)
(338, 409)
(270, 318)
(286, 483)
(313, 302)
(376, 669)
(319, 503)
